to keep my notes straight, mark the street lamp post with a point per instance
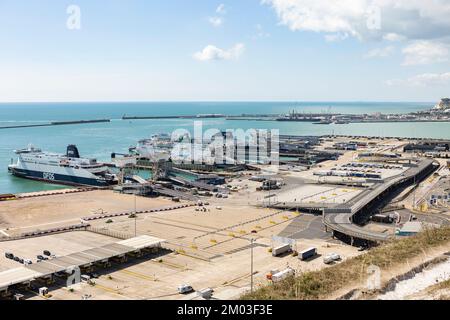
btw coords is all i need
(135, 217)
(251, 267)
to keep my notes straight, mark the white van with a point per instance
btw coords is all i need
(185, 288)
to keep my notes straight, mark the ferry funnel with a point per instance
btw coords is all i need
(72, 151)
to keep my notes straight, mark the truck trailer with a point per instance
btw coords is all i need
(283, 274)
(281, 249)
(308, 253)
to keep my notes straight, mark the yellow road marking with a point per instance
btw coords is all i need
(138, 275)
(107, 289)
(172, 264)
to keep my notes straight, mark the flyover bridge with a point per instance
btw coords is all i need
(343, 218)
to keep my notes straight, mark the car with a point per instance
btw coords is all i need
(9, 255)
(185, 289)
(16, 259)
(41, 257)
(46, 253)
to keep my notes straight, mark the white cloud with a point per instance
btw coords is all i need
(260, 32)
(380, 52)
(211, 52)
(367, 19)
(425, 52)
(221, 9)
(393, 37)
(215, 21)
(334, 37)
(422, 80)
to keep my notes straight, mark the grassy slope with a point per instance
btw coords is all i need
(442, 290)
(320, 284)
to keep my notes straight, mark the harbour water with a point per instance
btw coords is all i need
(99, 140)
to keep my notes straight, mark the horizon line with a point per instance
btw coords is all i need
(215, 101)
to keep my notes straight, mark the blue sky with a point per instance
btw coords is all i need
(146, 50)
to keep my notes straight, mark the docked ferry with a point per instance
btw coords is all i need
(158, 147)
(67, 169)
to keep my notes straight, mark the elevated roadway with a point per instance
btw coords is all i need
(342, 218)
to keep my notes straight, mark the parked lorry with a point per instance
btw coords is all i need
(308, 253)
(382, 218)
(271, 273)
(281, 249)
(283, 274)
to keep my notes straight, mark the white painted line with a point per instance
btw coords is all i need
(3, 232)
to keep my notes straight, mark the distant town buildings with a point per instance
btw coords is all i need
(443, 105)
(428, 146)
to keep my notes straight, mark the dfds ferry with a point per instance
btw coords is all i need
(68, 169)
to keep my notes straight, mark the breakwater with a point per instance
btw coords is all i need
(57, 123)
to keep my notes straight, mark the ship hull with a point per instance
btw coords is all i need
(60, 178)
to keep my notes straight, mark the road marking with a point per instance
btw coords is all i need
(233, 281)
(46, 224)
(138, 275)
(110, 290)
(173, 265)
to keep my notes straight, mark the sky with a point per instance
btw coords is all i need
(235, 50)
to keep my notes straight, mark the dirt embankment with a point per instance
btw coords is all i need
(393, 259)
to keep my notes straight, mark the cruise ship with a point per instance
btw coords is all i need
(67, 169)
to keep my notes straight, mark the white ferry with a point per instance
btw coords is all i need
(158, 147)
(67, 169)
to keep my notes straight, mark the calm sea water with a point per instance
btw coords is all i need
(99, 140)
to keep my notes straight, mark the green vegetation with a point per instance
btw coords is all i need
(444, 285)
(441, 289)
(320, 284)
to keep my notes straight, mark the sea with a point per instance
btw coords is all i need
(99, 140)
